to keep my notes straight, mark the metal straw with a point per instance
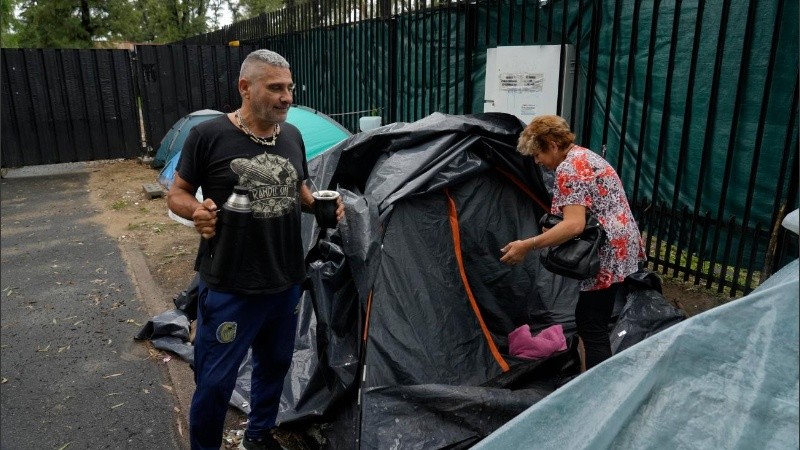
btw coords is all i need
(316, 189)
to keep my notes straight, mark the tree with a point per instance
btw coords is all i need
(164, 21)
(233, 7)
(186, 18)
(55, 23)
(85, 23)
(73, 23)
(215, 14)
(8, 23)
(252, 8)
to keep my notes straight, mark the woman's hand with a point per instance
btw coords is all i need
(573, 224)
(515, 252)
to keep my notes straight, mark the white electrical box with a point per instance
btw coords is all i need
(523, 80)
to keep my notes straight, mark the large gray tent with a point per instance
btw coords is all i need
(402, 339)
(403, 336)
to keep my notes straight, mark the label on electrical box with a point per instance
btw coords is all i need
(527, 109)
(533, 82)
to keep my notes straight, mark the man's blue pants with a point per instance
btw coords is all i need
(227, 325)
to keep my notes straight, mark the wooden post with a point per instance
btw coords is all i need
(769, 257)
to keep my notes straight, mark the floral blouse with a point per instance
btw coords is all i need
(585, 178)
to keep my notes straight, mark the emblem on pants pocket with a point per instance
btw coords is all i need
(226, 332)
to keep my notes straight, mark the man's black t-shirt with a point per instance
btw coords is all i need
(216, 157)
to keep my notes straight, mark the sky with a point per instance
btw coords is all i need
(227, 17)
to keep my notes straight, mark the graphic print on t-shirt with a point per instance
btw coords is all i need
(272, 181)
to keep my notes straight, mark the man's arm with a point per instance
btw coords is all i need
(182, 201)
(306, 199)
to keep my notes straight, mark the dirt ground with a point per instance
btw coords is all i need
(129, 215)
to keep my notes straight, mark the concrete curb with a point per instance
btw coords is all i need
(150, 293)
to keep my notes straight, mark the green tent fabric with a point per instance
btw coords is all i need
(319, 131)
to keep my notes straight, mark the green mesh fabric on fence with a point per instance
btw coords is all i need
(696, 102)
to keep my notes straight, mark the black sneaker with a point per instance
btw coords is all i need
(266, 443)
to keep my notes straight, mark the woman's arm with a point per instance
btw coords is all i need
(573, 225)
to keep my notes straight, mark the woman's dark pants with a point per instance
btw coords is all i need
(592, 317)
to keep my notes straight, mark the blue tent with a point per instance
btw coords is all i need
(319, 132)
(172, 142)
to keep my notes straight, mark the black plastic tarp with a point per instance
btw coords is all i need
(409, 308)
(402, 338)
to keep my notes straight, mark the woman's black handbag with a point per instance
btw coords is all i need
(579, 257)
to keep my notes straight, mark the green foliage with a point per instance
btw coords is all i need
(215, 8)
(164, 21)
(38, 26)
(100, 23)
(8, 23)
(252, 8)
(664, 253)
(91, 23)
(67, 23)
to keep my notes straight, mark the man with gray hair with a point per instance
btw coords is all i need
(253, 302)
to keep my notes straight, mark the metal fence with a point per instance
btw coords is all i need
(175, 80)
(61, 105)
(695, 101)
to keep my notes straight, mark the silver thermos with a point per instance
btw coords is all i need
(231, 233)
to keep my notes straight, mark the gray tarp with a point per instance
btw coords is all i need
(390, 351)
(394, 353)
(726, 378)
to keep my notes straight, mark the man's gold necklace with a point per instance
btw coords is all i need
(268, 141)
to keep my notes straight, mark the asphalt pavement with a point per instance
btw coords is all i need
(72, 375)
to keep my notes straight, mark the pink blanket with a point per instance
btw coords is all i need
(549, 341)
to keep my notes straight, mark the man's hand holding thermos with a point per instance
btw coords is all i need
(205, 219)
